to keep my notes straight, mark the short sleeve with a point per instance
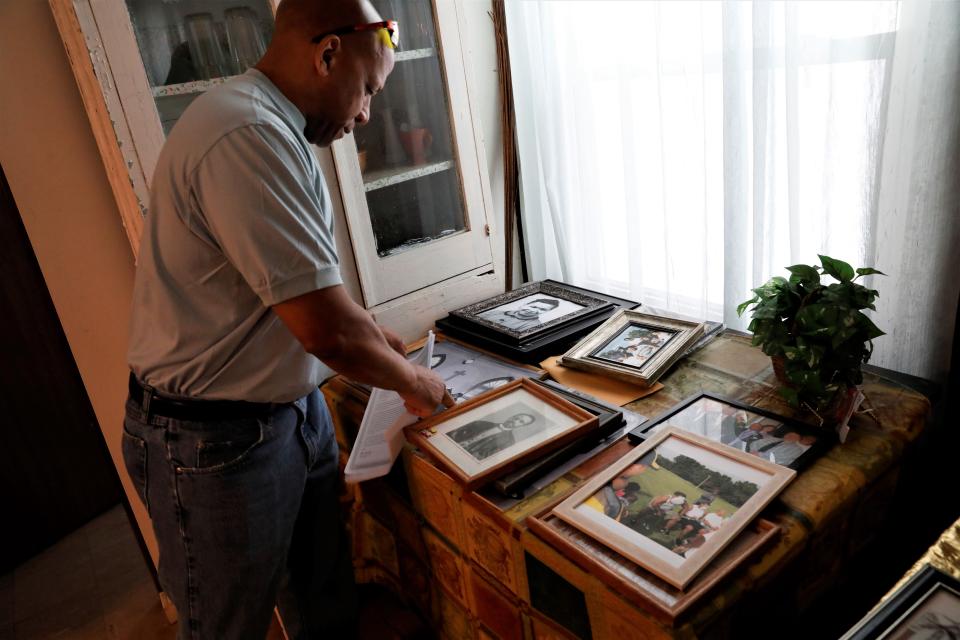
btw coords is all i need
(261, 198)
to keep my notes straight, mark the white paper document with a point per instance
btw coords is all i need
(381, 431)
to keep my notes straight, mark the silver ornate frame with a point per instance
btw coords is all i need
(582, 355)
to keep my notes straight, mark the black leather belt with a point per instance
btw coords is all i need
(195, 410)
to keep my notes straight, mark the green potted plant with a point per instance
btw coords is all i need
(816, 333)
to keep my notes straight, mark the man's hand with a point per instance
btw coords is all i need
(428, 392)
(395, 341)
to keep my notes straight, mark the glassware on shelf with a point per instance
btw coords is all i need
(244, 38)
(206, 53)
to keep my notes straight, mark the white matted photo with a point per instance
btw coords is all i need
(530, 311)
(673, 503)
(487, 436)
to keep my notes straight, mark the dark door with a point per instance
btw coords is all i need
(56, 472)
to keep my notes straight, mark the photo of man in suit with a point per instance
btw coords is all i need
(484, 438)
(523, 317)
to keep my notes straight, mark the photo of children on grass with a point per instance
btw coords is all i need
(634, 345)
(672, 499)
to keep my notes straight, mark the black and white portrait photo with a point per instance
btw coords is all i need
(468, 373)
(498, 431)
(529, 311)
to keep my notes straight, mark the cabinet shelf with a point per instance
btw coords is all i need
(415, 54)
(187, 88)
(386, 177)
(199, 86)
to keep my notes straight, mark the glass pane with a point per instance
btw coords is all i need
(412, 212)
(188, 46)
(407, 155)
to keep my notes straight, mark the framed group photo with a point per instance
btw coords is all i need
(673, 503)
(927, 607)
(754, 431)
(634, 346)
(499, 431)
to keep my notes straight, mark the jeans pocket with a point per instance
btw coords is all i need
(221, 452)
(135, 460)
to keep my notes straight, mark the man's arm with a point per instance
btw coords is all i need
(335, 329)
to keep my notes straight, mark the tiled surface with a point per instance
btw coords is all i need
(92, 584)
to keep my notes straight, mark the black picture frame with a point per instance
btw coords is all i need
(546, 290)
(610, 420)
(824, 438)
(552, 339)
(885, 619)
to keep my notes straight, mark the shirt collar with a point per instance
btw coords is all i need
(283, 102)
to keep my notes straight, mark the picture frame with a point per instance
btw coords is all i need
(637, 585)
(677, 491)
(469, 371)
(532, 310)
(750, 429)
(928, 601)
(609, 421)
(499, 431)
(534, 349)
(634, 346)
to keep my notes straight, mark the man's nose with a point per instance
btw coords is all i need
(364, 116)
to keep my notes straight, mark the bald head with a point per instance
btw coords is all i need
(308, 18)
(332, 80)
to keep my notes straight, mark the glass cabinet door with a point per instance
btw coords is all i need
(187, 46)
(417, 224)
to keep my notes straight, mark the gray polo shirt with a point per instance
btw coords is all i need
(240, 219)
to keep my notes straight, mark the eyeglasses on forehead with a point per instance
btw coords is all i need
(389, 31)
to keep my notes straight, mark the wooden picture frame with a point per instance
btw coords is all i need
(637, 585)
(692, 498)
(484, 448)
(746, 428)
(633, 346)
(609, 421)
(926, 591)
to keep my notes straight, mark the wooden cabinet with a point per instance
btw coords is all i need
(415, 219)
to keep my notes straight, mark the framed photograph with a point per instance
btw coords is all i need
(754, 431)
(673, 503)
(494, 433)
(533, 310)
(469, 372)
(633, 346)
(609, 421)
(926, 607)
(637, 585)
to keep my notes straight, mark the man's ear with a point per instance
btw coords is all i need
(325, 55)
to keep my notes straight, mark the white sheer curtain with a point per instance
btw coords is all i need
(681, 153)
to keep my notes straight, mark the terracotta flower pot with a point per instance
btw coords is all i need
(834, 410)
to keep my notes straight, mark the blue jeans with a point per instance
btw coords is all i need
(246, 516)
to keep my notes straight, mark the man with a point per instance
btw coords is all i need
(527, 316)
(238, 311)
(482, 438)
